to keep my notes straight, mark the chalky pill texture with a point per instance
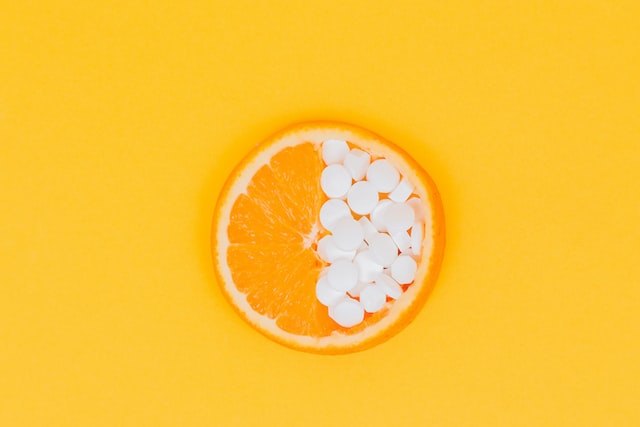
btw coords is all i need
(362, 197)
(335, 180)
(373, 224)
(332, 211)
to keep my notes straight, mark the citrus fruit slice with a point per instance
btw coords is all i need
(327, 238)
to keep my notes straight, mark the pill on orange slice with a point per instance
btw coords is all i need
(317, 210)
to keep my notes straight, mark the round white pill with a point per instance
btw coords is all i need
(398, 217)
(402, 191)
(333, 210)
(402, 240)
(326, 294)
(389, 286)
(334, 151)
(377, 215)
(417, 234)
(403, 269)
(362, 197)
(329, 252)
(372, 299)
(342, 275)
(357, 162)
(335, 181)
(347, 313)
(383, 250)
(368, 269)
(348, 234)
(383, 175)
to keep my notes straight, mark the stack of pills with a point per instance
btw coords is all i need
(375, 230)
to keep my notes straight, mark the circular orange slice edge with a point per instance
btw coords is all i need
(265, 231)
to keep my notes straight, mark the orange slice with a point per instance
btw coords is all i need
(265, 233)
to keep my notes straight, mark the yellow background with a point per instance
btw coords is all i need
(119, 122)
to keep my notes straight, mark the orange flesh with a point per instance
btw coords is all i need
(272, 236)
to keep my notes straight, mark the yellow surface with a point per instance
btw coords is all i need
(120, 121)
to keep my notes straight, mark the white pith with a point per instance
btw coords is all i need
(239, 185)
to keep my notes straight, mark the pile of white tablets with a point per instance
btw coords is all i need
(376, 229)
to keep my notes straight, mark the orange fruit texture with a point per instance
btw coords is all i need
(265, 233)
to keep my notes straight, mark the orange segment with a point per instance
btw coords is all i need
(279, 287)
(281, 200)
(265, 231)
(298, 169)
(271, 260)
